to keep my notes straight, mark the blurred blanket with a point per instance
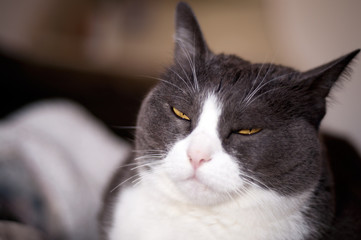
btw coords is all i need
(55, 161)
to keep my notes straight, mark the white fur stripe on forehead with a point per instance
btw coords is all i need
(209, 117)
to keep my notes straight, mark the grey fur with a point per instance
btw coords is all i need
(286, 156)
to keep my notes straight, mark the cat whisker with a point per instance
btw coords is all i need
(260, 70)
(149, 164)
(127, 165)
(258, 203)
(137, 163)
(137, 181)
(268, 184)
(148, 150)
(178, 97)
(191, 64)
(192, 90)
(165, 81)
(194, 61)
(125, 181)
(153, 156)
(258, 74)
(141, 179)
(184, 72)
(239, 192)
(253, 89)
(253, 181)
(262, 94)
(138, 176)
(248, 100)
(260, 85)
(151, 151)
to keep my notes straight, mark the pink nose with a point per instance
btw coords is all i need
(198, 157)
(201, 149)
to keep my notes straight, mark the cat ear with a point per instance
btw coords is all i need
(189, 41)
(321, 79)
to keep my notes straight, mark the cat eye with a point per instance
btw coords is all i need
(180, 114)
(249, 131)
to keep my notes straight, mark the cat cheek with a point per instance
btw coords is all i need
(176, 164)
(222, 175)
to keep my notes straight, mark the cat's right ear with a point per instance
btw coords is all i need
(321, 79)
(189, 42)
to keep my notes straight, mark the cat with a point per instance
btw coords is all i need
(226, 149)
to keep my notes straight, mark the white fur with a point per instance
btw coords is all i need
(178, 201)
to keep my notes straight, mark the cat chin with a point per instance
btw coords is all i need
(198, 193)
(192, 190)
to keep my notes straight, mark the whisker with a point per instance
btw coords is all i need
(150, 164)
(249, 100)
(260, 85)
(264, 93)
(253, 181)
(123, 182)
(191, 64)
(127, 165)
(149, 150)
(258, 74)
(184, 81)
(138, 162)
(137, 181)
(194, 61)
(185, 73)
(177, 96)
(150, 156)
(165, 81)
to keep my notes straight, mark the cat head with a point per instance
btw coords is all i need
(216, 125)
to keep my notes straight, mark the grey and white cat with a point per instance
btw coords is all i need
(226, 149)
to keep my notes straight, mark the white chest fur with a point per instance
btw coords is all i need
(142, 213)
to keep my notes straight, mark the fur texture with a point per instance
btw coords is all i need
(199, 178)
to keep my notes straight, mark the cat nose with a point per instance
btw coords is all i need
(198, 157)
(200, 150)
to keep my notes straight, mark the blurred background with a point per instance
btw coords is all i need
(93, 51)
(96, 53)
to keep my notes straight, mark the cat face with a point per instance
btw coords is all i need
(217, 127)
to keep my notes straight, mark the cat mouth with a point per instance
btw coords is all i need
(199, 192)
(194, 178)
(197, 182)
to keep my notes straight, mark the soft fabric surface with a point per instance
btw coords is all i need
(55, 161)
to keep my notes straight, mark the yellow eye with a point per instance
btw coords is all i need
(180, 114)
(249, 131)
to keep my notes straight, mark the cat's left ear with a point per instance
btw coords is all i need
(320, 80)
(189, 42)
